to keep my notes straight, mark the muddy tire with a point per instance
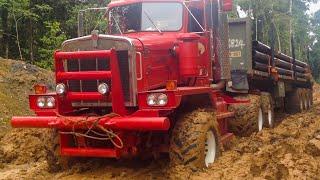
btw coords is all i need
(294, 101)
(305, 95)
(195, 140)
(267, 105)
(248, 117)
(309, 98)
(55, 161)
(310, 95)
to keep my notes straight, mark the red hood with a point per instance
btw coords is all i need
(155, 41)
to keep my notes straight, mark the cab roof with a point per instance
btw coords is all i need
(114, 3)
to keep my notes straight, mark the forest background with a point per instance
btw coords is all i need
(31, 30)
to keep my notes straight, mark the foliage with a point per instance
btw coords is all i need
(290, 19)
(40, 26)
(49, 42)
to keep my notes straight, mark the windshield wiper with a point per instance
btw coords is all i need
(117, 24)
(152, 22)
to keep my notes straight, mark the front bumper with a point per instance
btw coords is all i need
(76, 122)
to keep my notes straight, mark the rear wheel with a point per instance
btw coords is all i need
(55, 161)
(248, 117)
(260, 120)
(310, 94)
(309, 98)
(294, 101)
(306, 99)
(267, 109)
(195, 140)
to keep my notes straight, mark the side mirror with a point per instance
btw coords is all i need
(80, 24)
(227, 5)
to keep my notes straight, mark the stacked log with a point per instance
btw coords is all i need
(284, 64)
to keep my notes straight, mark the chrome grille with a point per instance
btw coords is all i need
(77, 65)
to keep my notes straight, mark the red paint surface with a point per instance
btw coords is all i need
(155, 65)
(78, 122)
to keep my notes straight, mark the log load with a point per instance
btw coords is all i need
(284, 64)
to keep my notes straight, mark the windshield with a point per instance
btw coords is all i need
(146, 17)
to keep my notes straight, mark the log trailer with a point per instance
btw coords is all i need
(162, 79)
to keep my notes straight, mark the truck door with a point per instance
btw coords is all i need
(196, 24)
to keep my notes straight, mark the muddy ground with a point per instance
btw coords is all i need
(289, 151)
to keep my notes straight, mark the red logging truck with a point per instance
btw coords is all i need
(162, 79)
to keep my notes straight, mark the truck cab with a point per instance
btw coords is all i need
(118, 92)
(153, 47)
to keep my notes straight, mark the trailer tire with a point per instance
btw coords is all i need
(305, 95)
(267, 105)
(310, 95)
(190, 140)
(56, 162)
(248, 117)
(309, 98)
(294, 101)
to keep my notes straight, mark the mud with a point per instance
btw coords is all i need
(289, 151)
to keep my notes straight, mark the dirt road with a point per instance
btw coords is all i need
(289, 151)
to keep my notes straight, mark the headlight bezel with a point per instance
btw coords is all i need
(105, 86)
(162, 100)
(152, 100)
(51, 100)
(41, 102)
(60, 87)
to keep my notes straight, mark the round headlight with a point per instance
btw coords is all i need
(162, 100)
(60, 89)
(51, 102)
(103, 88)
(152, 100)
(41, 102)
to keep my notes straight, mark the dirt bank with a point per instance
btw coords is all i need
(16, 83)
(289, 151)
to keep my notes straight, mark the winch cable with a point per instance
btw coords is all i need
(108, 136)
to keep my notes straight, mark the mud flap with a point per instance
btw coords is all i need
(239, 81)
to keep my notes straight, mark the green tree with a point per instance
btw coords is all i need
(289, 17)
(49, 43)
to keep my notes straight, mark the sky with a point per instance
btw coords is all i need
(314, 7)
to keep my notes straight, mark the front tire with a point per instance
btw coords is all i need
(54, 160)
(195, 140)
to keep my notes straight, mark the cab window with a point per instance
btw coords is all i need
(193, 26)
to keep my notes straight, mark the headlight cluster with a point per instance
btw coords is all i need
(157, 99)
(46, 102)
(103, 89)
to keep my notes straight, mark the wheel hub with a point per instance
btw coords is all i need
(210, 148)
(306, 103)
(270, 118)
(260, 120)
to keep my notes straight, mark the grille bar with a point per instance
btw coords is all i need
(85, 96)
(84, 75)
